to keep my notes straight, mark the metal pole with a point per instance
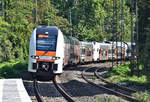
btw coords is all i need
(113, 37)
(116, 29)
(137, 38)
(70, 21)
(132, 37)
(35, 12)
(122, 27)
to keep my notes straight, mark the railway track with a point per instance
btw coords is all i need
(36, 91)
(61, 91)
(57, 86)
(112, 91)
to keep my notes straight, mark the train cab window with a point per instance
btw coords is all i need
(46, 43)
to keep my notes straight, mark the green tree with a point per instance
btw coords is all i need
(5, 44)
(144, 35)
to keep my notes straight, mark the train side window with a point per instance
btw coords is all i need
(105, 53)
(113, 50)
(101, 51)
(110, 51)
(89, 52)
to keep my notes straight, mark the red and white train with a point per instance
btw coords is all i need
(50, 51)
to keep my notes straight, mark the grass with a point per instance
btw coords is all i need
(12, 69)
(122, 74)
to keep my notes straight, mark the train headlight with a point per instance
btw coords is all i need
(45, 66)
(55, 58)
(34, 57)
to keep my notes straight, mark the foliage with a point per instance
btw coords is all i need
(92, 19)
(122, 70)
(17, 24)
(5, 44)
(122, 74)
(142, 96)
(12, 69)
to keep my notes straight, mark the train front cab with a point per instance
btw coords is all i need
(45, 56)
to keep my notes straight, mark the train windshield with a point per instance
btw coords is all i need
(46, 43)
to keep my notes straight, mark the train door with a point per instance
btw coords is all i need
(78, 54)
(116, 56)
(101, 54)
(82, 54)
(107, 53)
(85, 55)
(91, 57)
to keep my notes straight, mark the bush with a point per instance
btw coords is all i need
(12, 69)
(122, 70)
(122, 74)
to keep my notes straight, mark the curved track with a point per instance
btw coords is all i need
(36, 90)
(62, 92)
(127, 97)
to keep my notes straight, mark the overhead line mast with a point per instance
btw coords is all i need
(137, 37)
(115, 30)
(122, 26)
(132, 37)
(35, 12)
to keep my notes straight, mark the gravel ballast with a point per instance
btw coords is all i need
(73, 83)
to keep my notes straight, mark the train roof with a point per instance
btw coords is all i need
(71, 40)
(85, 43)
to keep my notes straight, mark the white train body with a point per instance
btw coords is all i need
(50, 50)
(96, 52)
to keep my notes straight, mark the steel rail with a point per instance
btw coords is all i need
(62, 92)
(36, 91)
(113, 84)
(108, 89)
